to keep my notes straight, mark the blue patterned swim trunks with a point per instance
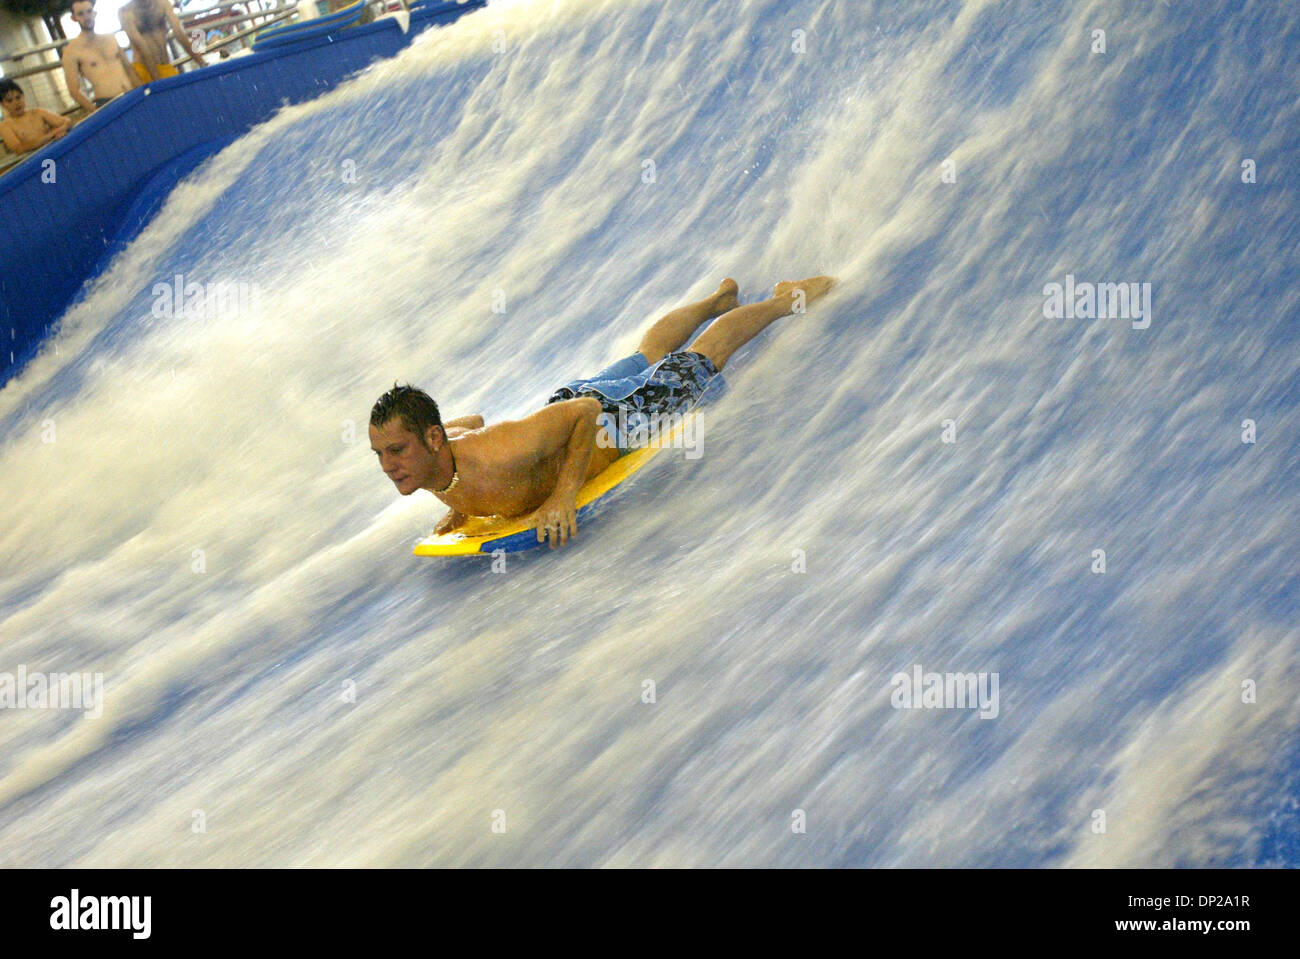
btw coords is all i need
(634, 394)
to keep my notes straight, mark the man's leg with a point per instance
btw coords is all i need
(670, 332)
(737, 327)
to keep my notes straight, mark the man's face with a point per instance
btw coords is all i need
(403, 457)
(14, 104)
(83, 14)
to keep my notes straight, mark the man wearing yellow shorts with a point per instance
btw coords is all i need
(162, 70)
(146, 22)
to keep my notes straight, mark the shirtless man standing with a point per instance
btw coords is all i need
(146, 23)
(25, 130)
(535, 466)
(98, 58)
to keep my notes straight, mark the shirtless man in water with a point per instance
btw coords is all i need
(146, 23)
(24, 130)
(535, 466)
(98, 58)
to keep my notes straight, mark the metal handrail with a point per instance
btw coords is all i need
(52, 45)
(186, 58)
(238, 17)
(285, 15)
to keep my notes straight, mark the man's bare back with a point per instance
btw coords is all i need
(531, 466)
(509, 469)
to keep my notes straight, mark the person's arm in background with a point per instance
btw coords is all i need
(182, 37)
(17, 143)
(59, 124)
(129, 67)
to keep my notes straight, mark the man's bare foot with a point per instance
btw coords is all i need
(814, 288)
(726, 297)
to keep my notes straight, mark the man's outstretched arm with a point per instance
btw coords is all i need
(558, 516)
(182, 35)
(568, 427)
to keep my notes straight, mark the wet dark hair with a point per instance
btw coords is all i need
(7, 87)
(415, 407)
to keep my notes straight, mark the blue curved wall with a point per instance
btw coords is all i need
(66, 215)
